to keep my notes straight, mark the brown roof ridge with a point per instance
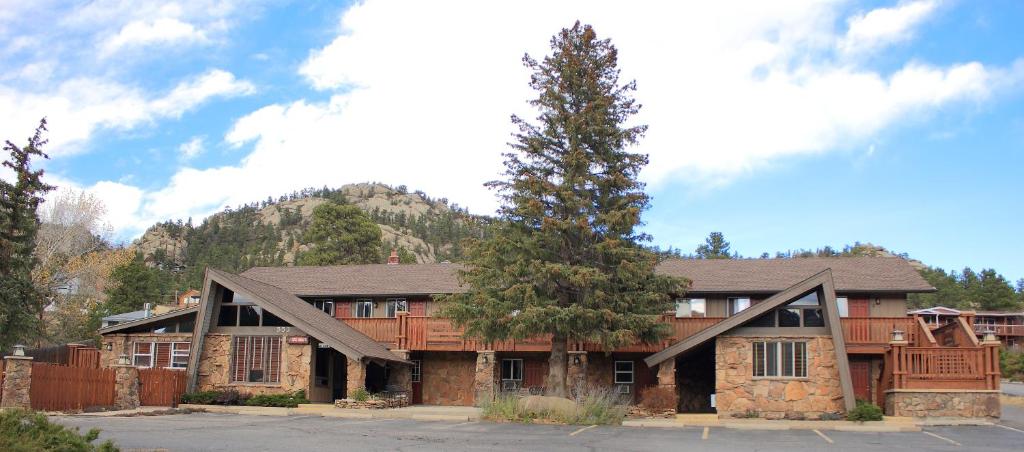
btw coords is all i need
(167, 315)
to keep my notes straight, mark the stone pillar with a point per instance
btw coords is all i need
(126, 387)
(577, 372)
(400, 375)
(667, 378)
(17, 382)
(485, 377)
(355, 376)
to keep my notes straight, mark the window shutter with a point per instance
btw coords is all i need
(800, 350)
(274, 361)
(758, 359)
(238, 360)
(163, 355)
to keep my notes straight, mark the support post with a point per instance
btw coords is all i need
(126, 387)
(355, 376)
(17, 382)
(899, 365)
(990, 350)
(403, 331)
(484, 379)
(400, 375)
(667, 379)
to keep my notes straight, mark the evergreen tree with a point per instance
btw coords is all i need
(714, 247)
(132, 286)
(341, 234)
(566, 258)
(21, 303)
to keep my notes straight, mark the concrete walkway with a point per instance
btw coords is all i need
(418, 412)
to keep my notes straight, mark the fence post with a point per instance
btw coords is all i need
(990, 348)
(403, 330)
(126, 387)
(899, 367)
(17, 382)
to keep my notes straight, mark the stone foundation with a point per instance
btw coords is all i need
(943, 403)
(355, 376)
(17, 382)
(739, 394)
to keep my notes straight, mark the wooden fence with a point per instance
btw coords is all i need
(61, 388)
(78, 355)
(944, 367)
(877, 330)
(161, 387)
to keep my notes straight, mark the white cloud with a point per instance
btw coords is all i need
(883, 26)
(139, 33)
(191, 148)
(78, 107)
(421, 93)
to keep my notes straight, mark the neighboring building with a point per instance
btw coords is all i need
(160, 340)
(763, 337)
(132, 316)
(1008, 326)
(189, 298)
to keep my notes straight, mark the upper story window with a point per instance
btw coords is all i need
(364, 307)
(325, 304)
(844, 306)
(738, 304)
(395, 305)
(237, 310)
(691, 307)
(804, 312)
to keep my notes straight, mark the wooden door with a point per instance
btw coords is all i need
(417, 382)
(860, 373)
(534, 373)
(859, 307)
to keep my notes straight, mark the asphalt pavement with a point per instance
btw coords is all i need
(229, 432)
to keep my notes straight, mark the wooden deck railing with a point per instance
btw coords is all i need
(410, 332)
(877, 330)
(945, 367)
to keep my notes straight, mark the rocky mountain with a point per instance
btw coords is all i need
(269, 232)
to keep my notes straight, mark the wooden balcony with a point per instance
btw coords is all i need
(422, 333)
(1000, 330)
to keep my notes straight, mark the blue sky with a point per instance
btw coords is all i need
(783, 125)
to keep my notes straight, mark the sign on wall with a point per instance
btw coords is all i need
(300, 340)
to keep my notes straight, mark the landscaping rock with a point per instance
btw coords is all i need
(558, 406)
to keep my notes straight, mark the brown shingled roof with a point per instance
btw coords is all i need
(307, 318)
(373, 279)
(851, 274)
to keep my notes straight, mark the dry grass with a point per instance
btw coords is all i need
(1012, 400)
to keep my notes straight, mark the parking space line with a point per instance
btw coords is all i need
(942, 438)
(577, 432)
(822, 435)
(705, 434)
(1009, 428)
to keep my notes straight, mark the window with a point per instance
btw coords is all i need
(326, 305)
(737, 304)
(256, 359)
(395, 305)
(249, 315)
(512, 369)
(417, 370)
(364, 307)
(228, 315)
(179, 355)
(691, 307)
(623, 372)
(142, 356)
(273, 320)
(246, 315)
(780, 359)
(844, 306)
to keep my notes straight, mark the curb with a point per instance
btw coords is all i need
(886, 427)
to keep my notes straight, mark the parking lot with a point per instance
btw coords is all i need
(207, 431)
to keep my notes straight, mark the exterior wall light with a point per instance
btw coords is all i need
(19, 350)
(990, 336)
(123, 360)
(897, 335)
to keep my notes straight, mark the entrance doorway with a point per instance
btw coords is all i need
(695, 378)
(339, 378)
(860, 374)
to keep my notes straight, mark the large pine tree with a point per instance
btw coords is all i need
(566, 258)
(21, 303)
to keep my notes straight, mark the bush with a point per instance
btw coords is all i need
(24, 431)
(230, 397)
(278, 400)
(504, 407)
(201, 397)
(359, 395)
(865, 411)
(593, 406)
(1011, 364)
(658, 398)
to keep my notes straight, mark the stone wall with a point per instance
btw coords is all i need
(448, 378)
(215, 368)
(739, 394)
(943, 403)
(17, 382)
(126, 387)
(122, 343)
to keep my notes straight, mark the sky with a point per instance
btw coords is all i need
(784, 124)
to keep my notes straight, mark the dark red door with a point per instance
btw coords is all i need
(417, 382)
(859, 307)
(860, 373)
(534, 373)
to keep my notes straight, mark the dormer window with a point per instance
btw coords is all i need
(738, 304)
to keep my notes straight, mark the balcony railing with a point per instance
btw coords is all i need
(438, 334)
(1000, 330)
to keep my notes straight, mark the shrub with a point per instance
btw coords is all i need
(598, 406)
(291, 400)
(658, 398)
(1011, 363)
(830, 416)
(865, 411)
(504, 407)
(360, 395)
(27, 431)
(230, 397)
(201, 397)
